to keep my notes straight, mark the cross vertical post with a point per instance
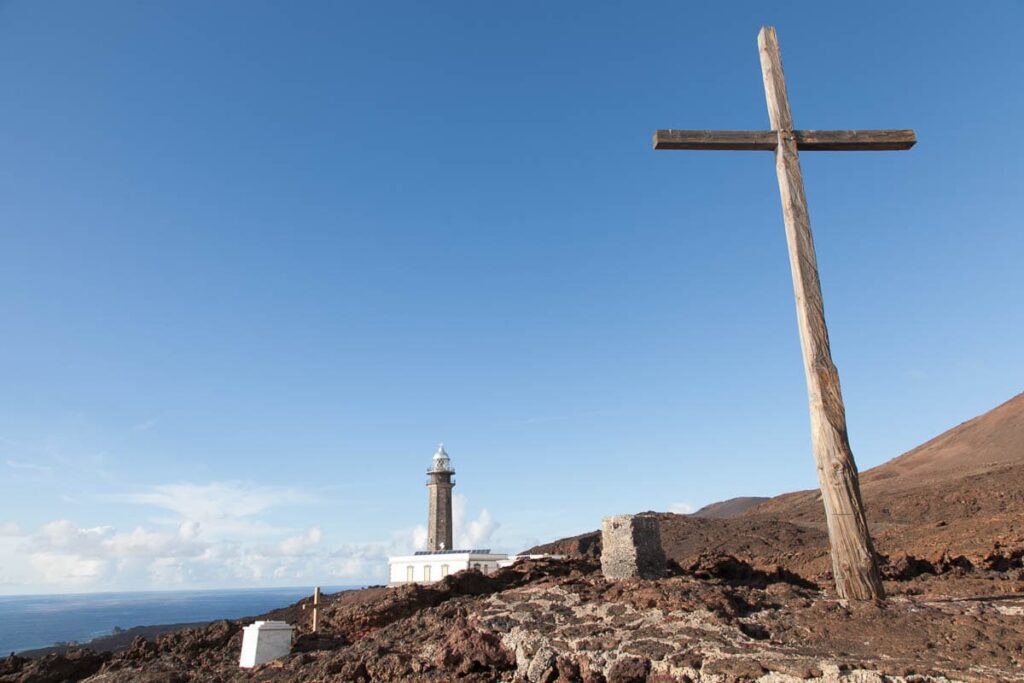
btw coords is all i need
(853, 555)
(316, 607)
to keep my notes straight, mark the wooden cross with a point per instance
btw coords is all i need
(853, 556)
(316, 607)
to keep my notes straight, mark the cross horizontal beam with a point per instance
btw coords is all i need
(766, 140)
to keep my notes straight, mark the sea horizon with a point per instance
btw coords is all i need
(323, 589)
(34, 621)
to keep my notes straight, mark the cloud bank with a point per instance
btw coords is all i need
(209, 535)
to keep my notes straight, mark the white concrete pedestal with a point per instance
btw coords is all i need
(264, 641)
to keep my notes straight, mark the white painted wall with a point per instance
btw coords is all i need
(512, 559)
(264, 641)
(432, 568)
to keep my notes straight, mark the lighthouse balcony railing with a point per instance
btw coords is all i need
(474, 551)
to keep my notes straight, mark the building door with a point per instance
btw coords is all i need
(444, 570)
(409, 574)
(426, 572)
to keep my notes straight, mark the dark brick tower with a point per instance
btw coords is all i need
(439, 513)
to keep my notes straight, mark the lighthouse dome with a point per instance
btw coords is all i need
(441, 463)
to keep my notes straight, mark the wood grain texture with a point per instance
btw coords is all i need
(763, 140)
(774, 80)
(853, 555)
(766, 140)
(854, 140)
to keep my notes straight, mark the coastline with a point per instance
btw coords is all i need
(36, 625)
(115, 642)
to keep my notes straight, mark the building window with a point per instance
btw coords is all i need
(426, 572)
(444, 570)
(409, 578)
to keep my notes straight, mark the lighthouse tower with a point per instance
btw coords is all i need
(439, 511)
(440, 559)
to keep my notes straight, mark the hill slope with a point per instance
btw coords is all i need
(958, 494)
(727, 509)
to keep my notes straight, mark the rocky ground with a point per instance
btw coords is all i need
(718, 619)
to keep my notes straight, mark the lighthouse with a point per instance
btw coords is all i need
(439, 502)
(440, 558)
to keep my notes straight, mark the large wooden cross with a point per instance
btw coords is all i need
(853, 556)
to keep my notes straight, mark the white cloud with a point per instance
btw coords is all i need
(478, 533)
(222, 509)
(354, 560)
(300, 545)
(419, 537)
(68, 555)
(61, 535)
(218, 500)
(475, 533)
(211, 541)
(167, 571)
(148, 544)
(188, 529)
(69, 570)
(146, 425)
(211, 535)
(368, 561)
(28, 466)
(680, 508)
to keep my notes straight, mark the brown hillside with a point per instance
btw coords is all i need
(727, 509)
(960, 493)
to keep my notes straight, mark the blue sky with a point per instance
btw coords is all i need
(257, 259)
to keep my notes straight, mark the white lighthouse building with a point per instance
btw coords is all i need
(440, 558)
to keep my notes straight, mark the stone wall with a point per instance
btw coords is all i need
(439, 511)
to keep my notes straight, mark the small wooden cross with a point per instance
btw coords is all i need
(316, 607)
(853, 556)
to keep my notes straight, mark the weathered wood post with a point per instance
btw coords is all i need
(853, 556)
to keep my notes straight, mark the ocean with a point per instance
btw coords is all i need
(33, 621)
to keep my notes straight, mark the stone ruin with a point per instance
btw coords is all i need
(631, 547)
